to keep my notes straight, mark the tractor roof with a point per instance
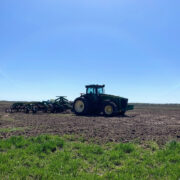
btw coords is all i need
(95, 86)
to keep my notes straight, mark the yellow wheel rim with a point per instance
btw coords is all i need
(79, 106)
(108, 109)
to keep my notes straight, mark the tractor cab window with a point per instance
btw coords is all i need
(100, 90)
(91, 91)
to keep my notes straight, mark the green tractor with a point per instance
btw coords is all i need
(96, 101)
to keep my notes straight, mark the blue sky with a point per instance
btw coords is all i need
(55, 47)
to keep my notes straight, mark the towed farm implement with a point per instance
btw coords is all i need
(60, 104)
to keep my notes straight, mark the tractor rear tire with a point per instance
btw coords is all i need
(109, 109)
(80, 106)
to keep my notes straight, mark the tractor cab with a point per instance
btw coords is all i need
(95, 89)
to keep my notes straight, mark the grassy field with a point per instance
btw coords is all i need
(70, 157)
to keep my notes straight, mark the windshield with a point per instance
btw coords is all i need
(91, 91)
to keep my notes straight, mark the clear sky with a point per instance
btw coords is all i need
(55, 47)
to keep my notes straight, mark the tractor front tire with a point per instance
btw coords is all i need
(109, 109)
(80, 106)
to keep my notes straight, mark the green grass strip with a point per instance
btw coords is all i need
(54, 157)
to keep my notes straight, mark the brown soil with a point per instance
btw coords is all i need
(154, 122)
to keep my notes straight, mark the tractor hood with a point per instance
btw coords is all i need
(109, 96)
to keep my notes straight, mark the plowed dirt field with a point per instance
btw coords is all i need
(146, 122)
